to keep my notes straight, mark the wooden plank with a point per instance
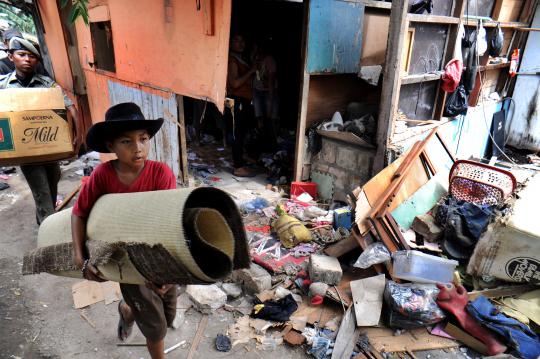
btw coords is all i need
(342, 247)
(528, 29)
(507, 291)
(376, 4)
(436, 19)
(504, 25)
(198, 336)
(407, 51)
(507, 10)
(375, 37)
(412, 79)
(183, 160)
(301, 130)
(68, 198)
(383, 340)
(346, 137)
(391, 80)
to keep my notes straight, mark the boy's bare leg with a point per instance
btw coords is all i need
(127, 313)
(156, 349)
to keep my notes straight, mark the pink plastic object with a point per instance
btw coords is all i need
(454, 300)
(479, 183)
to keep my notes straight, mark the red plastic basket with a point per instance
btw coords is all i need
(479, 183)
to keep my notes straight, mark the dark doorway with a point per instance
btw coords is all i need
(281, 22)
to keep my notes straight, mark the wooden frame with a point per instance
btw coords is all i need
(406, 60)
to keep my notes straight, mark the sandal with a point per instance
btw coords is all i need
(124, 330)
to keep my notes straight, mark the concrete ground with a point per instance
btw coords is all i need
(37, 316)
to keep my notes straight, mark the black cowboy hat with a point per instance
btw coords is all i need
(119, 119)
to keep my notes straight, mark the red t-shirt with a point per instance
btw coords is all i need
(154, 176)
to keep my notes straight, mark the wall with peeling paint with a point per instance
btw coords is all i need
(163, 44)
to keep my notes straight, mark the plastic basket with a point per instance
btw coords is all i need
(479, 183)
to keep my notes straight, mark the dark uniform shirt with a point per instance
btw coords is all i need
(11, 81)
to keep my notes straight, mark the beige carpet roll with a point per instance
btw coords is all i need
(176, 236)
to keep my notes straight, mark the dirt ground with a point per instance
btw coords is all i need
(37, 317)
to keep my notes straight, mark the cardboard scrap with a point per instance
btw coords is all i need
(368, 299)
(384, 340)
(294, 338)
(87, 292)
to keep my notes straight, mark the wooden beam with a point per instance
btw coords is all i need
(391, 80)
(412, 79)
(376, 4)
(528, 29)
(436, 19)
(507, 291)
(302, 111)
(182, 140)
(508, 25)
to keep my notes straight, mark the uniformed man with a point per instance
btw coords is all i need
(6, 65)
(43, 178)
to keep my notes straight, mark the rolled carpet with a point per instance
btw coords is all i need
(181, 236)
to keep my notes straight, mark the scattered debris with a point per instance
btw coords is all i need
(177, 345)
(233, 290)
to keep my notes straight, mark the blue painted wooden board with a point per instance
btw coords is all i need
(335, 36)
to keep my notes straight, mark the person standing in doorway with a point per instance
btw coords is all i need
(239, 80)
(42, 178)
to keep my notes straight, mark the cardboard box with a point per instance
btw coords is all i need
(510, 248)
(34, 127)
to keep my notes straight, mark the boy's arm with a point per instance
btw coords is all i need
(78, 235)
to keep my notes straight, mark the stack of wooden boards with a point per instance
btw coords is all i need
(374, 202)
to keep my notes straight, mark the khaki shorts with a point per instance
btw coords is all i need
(152, 313)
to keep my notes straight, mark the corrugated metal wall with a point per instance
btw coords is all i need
(154, 104)
(524, 127)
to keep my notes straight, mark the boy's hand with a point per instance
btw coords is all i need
(92, 273)
(161, 291)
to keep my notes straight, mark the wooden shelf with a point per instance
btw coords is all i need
(413, 79)
(494, 66)
(436, 19)
(507, 25)
(377, 4)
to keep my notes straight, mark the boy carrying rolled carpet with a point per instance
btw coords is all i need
(127, 133)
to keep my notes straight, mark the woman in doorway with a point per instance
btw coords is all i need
(239, 80)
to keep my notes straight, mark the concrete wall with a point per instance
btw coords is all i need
(349, 164)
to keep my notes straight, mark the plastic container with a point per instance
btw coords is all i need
(419, 267)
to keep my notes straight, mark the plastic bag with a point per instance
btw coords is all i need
(457, 103)
(412, 305)
(481, 41)
(255, 205)
(496, 42)
(375, 253)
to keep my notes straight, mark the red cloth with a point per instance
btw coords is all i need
(154, 176)
(452, 75)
